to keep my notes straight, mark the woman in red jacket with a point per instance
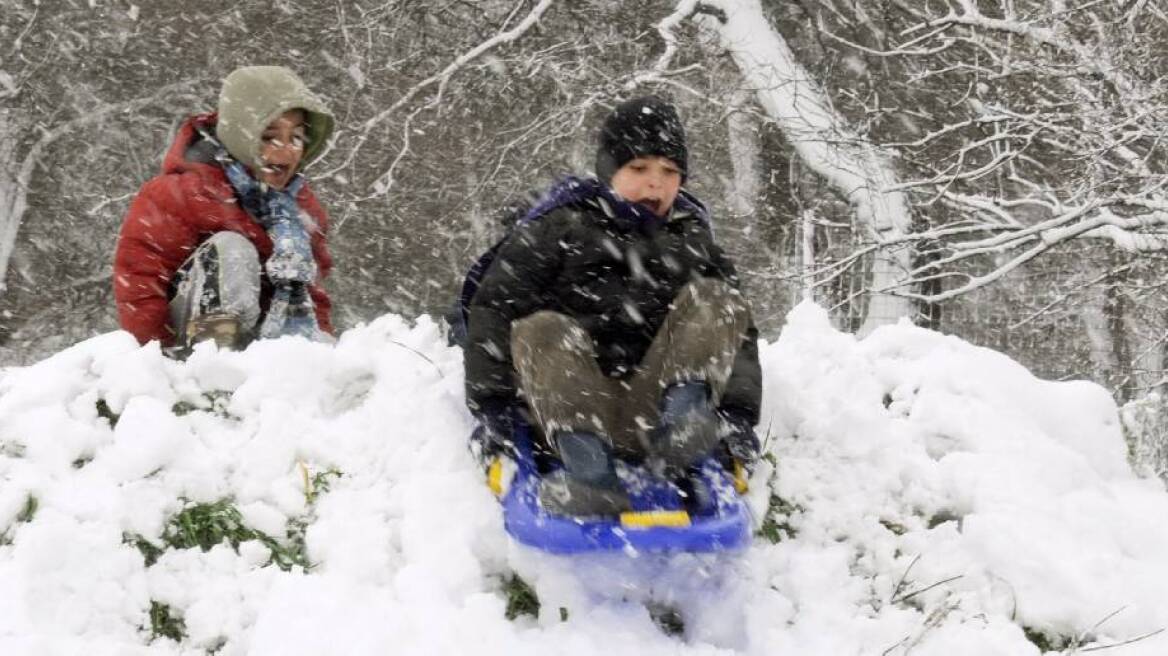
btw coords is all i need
(230, 197)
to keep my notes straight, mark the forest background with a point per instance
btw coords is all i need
(994, 169)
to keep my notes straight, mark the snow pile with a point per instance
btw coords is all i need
(927, 495)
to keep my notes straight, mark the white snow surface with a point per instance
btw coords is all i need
(943, 499)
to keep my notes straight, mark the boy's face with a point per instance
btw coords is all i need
(282, 148)
(652, 181)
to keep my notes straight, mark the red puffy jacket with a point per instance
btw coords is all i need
(175, 212)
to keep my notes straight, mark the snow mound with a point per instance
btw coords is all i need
(920, 494)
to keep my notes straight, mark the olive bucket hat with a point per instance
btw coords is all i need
(254, 96)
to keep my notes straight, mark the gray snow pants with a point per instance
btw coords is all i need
(566, 390)
(220, 279)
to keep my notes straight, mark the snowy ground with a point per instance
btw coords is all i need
(932, 497)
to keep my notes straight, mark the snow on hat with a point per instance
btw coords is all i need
(254, 96)
(640, 127)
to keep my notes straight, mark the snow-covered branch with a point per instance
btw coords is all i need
(1040, 124)
(16, 177)
(799, 105)
(1089, 59)
(666, 28)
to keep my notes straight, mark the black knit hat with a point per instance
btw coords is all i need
(637, 128)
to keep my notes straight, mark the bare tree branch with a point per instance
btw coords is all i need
(14, 191)
(383, 183)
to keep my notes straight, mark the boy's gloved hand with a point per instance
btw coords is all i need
(739, 438)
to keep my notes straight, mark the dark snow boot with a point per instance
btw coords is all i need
(688, 429)
(588, 484)
(697, 495)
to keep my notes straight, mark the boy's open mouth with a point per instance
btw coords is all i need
(276, 175)
(654, 205)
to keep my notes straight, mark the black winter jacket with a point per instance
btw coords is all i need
(614, 277)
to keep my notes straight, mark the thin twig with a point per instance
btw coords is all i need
(442, 78)
(420, 355)
(903, 578)
(903, 640)
(927, 588)
(1125, 642)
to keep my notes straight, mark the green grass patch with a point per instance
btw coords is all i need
(214, 402)
(26, 514)
(150, 551)
(942, 517)
(183, 408)
(1046, 641)
(12, 449)
(895, 528)
(205, 525)
(103, 410)
(776, 522)
(165, 623)
(521, 598)
(319, 484)
(29, 510)
(295, 548)
(667, 618)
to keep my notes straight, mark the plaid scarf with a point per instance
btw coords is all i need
(291, 266)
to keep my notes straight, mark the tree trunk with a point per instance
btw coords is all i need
(1104, 319)
(859, 172)
(1115, 314)
(742, 133)
(1147, 329)
(12, 191)
(808, 252)
(16, 175)
(1098, 328)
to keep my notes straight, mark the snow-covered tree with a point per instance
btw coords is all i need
(1026, 135)
(947, 161)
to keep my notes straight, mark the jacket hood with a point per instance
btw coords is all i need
(574, 191)
(254, 96)
(179, 157)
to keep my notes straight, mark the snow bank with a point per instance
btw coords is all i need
(929, 495)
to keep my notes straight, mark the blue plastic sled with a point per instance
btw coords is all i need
(660, 521)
